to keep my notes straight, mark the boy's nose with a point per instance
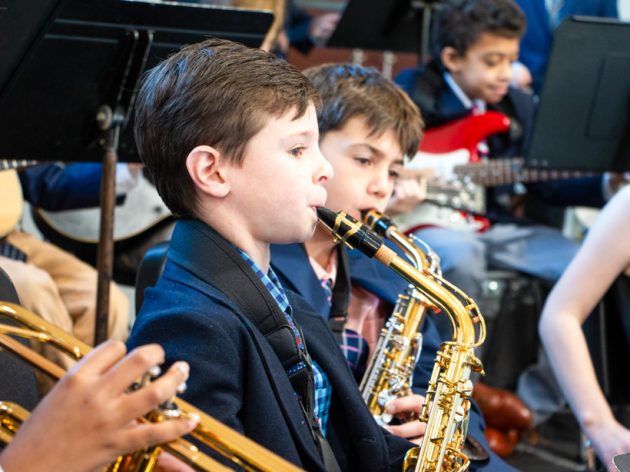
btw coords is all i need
(324, 169)
(380, 185)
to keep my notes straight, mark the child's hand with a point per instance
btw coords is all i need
(322, 27)
(609, 438)
(89, 418)
(409, 190)
(169, 463)
(521, 77)
(408, 406)
(407, 194)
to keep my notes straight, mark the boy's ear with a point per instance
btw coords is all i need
(207, 171)
(450, 59)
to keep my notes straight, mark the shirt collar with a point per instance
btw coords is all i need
(479, 105)
(270, 281)
(328, 272)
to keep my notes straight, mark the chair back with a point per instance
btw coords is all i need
(150, 269)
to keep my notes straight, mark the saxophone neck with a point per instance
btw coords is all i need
(461, 309)
(417, 251)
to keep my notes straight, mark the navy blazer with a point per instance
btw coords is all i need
(538, 38)
(237, 377)
(56, 186)
(439, 105)
(291, 264)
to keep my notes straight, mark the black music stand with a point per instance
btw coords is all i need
(583, 119)
(68, 79)
(392, 25)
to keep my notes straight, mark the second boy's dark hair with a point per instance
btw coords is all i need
(460, 23)
(349, 90)
(215, 93)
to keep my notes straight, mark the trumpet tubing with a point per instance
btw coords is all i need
(229, 443)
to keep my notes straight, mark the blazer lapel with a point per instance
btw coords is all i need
(291, 263)
(291, 409)
(324, 350)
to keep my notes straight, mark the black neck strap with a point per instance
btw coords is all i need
(340, 295)
(220, 265)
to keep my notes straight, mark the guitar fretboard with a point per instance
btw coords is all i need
(6, 164)
(509, 171)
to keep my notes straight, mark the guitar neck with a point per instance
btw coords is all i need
(509, 171)
(6, 164)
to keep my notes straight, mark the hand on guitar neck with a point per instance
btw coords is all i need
(410, 190)
(450, 153)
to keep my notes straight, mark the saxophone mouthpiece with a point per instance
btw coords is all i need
(326, 216)
(350, 231)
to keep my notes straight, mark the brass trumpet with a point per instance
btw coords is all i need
(240, 450)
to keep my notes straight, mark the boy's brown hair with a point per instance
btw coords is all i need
(215, 93)
(349, 90)
(460, 23)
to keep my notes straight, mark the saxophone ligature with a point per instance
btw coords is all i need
(236, 448)
(447, 401)
(389, 374)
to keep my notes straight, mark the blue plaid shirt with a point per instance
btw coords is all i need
(323, 389)
(355, 347)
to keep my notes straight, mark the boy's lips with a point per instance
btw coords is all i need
(316, 206)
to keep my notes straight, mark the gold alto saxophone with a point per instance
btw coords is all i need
(389, 374)
(447, 402)
(240, 450)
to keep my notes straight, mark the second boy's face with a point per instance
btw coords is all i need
(485, 70)
(366, 167)
(280, 183)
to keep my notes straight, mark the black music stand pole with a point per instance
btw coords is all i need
(110, 122)
(426, 7)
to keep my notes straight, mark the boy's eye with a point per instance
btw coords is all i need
(394, 173)
(298, 151)
(364, 161)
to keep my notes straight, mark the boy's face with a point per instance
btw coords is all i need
(485, 70)
(280, 183)
(366, 167)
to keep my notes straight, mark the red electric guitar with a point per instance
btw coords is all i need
(456, 197)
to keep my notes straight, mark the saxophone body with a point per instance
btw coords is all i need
(389, 374)
(447, 401)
